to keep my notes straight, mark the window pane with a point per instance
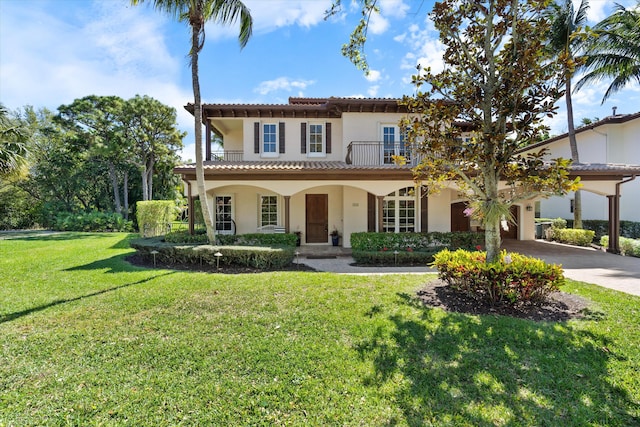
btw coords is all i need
(316, 138)
(269, 138)
(268, 210)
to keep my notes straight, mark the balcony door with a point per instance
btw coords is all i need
(317, 218)
(393, 144)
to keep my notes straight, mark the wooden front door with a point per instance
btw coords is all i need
(459, 221)
(317, 228)
(512, 232)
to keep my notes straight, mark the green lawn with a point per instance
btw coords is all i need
(87, 339)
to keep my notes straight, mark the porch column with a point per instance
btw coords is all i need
(614, 224)
(207, 129)
(192, 212)
(380, 214)
(287, 205)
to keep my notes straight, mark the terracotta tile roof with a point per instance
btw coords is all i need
(307, 165)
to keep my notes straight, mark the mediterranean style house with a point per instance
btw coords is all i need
(319, 165)
(612, 140)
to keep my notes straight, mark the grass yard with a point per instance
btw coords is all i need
(87, 339)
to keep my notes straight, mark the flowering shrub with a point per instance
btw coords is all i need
(523, 281)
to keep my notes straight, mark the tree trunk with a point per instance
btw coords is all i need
(114, 185)
(125, 194)
(150, 167)
(145, 184)
(492, 240)
(573, 144)
(197, 113)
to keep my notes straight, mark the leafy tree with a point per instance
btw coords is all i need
(13, 147)
(566, 24)
(613, 51)
(99, 120)
(151, 128)
(196, 13)
(500, 78)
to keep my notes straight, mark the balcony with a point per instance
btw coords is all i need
(227, 156)
(376, 153)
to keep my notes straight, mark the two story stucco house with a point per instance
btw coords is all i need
(315, 165)
(612, 140)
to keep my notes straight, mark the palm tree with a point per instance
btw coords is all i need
(566, 22)
(13, 140)
(614, 51)
(196, 13)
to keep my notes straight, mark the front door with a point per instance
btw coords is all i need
(459, 221)
(512, 232)
(317, 206)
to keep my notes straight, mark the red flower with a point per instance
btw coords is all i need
(478, 247)
(409, 249)
(384, 249)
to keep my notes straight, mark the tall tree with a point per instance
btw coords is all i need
(566, 23)
(500, 78)
(151, 127)
(13, 143)
(613, 51)
(99, 119)
(196, 13)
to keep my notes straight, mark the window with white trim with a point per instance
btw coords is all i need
(399, 211)
(316, 139)
(269, 139)
(224, 215)
(268, 214)
(393, 144)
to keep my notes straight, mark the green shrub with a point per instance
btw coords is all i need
(559, 223)
(630, 229)
(247, 256)
(391, 258)
(183, 236)
(257, 239)
(91, 221)
(523, 281)
(630, 247)
(155, 216)
(412, 248)
(572, 236)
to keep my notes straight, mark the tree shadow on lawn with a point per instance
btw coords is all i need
(456, 369)
(12, 316)
(114, 264)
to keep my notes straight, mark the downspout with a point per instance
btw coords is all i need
(614, 234)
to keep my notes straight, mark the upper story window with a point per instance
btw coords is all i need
(269, 138)
(316, 139)
(393, 144)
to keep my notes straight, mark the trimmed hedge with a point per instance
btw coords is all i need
(91, 221)
(630, 247)
(254, 239)
(522, 281)
(247, 256)
(572, 236)
(411, 248)
(629, 229)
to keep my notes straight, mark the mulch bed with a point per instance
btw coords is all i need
(559, 307)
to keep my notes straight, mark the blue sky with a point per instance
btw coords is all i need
(52, 52)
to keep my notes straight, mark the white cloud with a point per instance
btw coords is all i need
(373, 91)
(378, 24)
(282, 83)
(394, 8)
(373, 76)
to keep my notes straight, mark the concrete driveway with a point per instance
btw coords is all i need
(585, 264)
(582, 264)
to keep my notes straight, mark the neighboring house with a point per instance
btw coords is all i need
(612, 140)
(318, 164)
